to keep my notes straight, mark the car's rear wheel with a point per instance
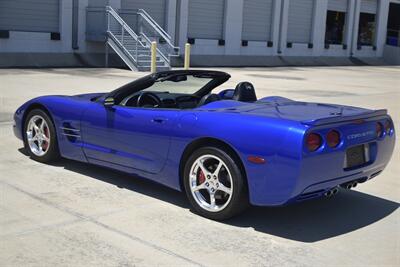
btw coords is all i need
(214, 184)
(40, 137)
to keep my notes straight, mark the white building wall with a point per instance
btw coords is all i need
(280, 20)
(40, 42)
(255, 48)
(35, 42)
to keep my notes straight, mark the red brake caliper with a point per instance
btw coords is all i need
(45, 143)
(201, 178)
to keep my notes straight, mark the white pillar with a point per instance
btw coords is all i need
(276, 18)
(356, 19)
(82, 25)
(233, 26)
(171, 18)
(284, 26)
(349, 32)
(381, 26)
(319, 26)
(183, 25)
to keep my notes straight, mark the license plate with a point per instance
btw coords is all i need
(355, 156)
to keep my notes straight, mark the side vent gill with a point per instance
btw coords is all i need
(71, 133)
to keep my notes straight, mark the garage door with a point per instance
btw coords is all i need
(300, 21)
(369, 6)
(257, 20)
(206, 19)
(338, 5)
(155, 8)
(29, 15)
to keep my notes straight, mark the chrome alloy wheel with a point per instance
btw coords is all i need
(211, 183)
(38, 135)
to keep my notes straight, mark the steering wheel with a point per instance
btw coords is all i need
(148, 99)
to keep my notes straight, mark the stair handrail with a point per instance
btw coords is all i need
(158, 50)
(154, 23)
(157, 28)
(123, 47)
(111, 11)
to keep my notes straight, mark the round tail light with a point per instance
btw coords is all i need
(379, 129)
(313, 141)
(388, 127)
(333, 138)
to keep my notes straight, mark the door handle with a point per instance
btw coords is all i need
(159, 120)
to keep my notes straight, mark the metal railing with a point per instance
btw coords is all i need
(148, 40)
(152, 31)
(123, 35)
(136, 44)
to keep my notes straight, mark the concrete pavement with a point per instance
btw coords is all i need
(74, 214)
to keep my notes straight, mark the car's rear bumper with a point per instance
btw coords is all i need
(319, 189)
(288, 180)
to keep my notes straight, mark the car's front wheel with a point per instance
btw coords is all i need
(40, 136)
(214, 183)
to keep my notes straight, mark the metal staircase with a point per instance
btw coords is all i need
(134, 48)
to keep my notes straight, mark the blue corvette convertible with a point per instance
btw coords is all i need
(225, 150)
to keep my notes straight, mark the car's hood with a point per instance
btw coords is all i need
(304, 112)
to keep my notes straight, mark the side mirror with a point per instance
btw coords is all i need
(109, 102)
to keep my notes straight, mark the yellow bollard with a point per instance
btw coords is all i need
(153, 65)
(187, 56)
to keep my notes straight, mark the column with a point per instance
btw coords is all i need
(319, 26)
(356, 19)
(276, 22)
(171, 18)
(233, 26)
(284, 26)
(381, 26)
(183, 25)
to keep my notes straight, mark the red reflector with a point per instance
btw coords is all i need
(333, 138)
(256, 160)
(313, 141)
(379, 129)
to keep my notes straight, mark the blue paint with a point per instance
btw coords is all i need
(130, 140)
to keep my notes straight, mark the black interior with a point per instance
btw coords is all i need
(245, 92)
(135, 94)
(162, 100)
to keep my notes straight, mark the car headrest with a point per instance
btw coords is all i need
(208, 99)
(245, 92)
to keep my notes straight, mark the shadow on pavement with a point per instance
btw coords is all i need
(318, 219)
(308, 221)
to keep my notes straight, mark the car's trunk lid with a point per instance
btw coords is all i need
(306, 113)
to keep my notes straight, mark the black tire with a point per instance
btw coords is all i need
(52, 153)
(239, 199)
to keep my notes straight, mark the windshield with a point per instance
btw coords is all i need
(180, 84)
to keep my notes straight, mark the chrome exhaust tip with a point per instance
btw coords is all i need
(331, 192)
(354, 184)
(335, 191)
(328, 193)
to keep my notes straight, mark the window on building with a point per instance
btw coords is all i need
(335, 27)
(366, 29)
(393, 26)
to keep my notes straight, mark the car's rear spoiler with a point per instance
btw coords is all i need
(344, 118)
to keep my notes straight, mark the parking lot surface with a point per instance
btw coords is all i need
(74, 214)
